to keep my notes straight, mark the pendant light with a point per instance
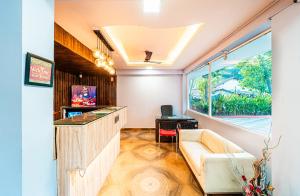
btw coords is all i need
(97, 52)
(102, 54)
(110, 60)
(99, 63)
(104, 58)
(105, 65)
(112, 71)
(105, 62)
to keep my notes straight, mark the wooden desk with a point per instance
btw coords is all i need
(170, 122)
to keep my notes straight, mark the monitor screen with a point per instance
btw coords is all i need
(83, 96)
(72, 114)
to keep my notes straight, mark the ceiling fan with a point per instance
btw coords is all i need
(148, 58)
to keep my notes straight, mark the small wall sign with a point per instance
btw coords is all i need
(38, 71)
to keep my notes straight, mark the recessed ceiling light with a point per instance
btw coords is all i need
(149, 67)
(151, 6)
(183, 41)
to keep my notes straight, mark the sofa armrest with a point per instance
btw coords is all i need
(190, 134)
(218, 170)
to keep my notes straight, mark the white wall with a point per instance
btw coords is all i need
(26, 143)
(286, 101)
(38, 166)
(10, 97)
(144, 94)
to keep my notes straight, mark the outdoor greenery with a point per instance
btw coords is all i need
(257, 73)
(200, 103)
(232, 105)
(250, 95)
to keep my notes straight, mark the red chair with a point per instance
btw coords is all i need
(167, 133)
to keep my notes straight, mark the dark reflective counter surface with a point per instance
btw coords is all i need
(88, 117)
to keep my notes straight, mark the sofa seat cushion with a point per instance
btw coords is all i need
(193, 151)
(218, 144)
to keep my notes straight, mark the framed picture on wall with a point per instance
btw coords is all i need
(38, 71)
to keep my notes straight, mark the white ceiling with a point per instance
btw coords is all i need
(137, 31)
(139, 40)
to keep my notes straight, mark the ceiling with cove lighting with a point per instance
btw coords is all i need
(178, 34)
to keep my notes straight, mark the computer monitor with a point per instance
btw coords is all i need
(83, 96)
(72, 114)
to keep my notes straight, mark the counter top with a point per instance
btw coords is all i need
(84, 107)
(88, 117)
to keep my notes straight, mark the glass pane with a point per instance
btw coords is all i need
(198, 90)
(242, 86)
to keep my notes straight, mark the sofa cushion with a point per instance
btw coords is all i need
(218, 144)
(193, 151)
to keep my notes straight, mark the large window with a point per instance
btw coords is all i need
(198, 90)
(241, 86)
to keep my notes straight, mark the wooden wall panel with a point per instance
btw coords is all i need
(64, 38)
(72, 56)
(106, 90)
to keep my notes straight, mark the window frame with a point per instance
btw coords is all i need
(208, 89)
(208, 63)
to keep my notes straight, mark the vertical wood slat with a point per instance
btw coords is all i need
(106, 90)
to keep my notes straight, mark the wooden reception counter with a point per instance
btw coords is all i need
(86, 147)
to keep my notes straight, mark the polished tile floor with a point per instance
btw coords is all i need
(145, 169)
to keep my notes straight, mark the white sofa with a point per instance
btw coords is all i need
(213, 158)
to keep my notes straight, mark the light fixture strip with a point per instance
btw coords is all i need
(183, 41)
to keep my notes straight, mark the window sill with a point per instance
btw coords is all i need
(226, 123)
